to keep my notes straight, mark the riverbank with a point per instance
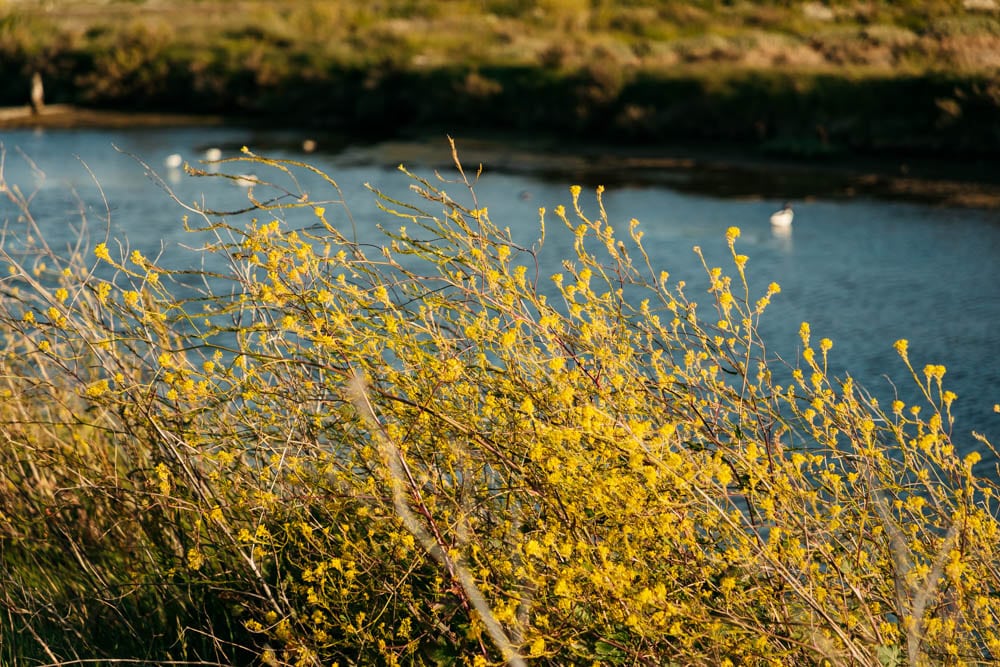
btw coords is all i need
(794, 80)
(68, 116)
(725, 169)
(732, 170)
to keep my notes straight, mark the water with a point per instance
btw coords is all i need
(863, 272)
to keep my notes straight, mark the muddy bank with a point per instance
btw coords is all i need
(67, 116)
(791, 114)
(739, 171)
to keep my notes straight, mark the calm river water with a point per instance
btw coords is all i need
(862, 272)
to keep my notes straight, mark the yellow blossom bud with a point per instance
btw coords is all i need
(194, 559)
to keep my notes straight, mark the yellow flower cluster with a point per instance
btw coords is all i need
(430, 449)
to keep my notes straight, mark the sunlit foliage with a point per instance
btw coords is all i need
(430, 451)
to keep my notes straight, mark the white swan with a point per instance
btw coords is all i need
(783, 218)
(174, 161)
(246, 180)
(213, 154)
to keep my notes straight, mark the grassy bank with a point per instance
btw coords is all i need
(799, 77)
(428, 453)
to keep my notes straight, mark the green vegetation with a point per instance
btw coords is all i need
(429, 453)
(792, 76)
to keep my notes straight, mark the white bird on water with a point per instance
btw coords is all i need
(174, 161)
(783, 218)
(213, 154)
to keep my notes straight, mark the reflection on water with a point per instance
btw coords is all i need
(863, 273)
(782, 237)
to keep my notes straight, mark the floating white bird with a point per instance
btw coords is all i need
(783, 218)
(246, 180)
(213, 154)
(174, 161)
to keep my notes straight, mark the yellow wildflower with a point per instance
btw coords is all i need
(98, 388)
(195, 559)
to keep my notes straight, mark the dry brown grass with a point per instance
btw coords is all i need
(880, 35)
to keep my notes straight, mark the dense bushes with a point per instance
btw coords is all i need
(428, 452)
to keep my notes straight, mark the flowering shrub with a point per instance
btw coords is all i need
(432, 452)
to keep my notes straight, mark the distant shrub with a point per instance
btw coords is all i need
(429, 451)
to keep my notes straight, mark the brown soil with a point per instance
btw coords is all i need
(65, 116)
